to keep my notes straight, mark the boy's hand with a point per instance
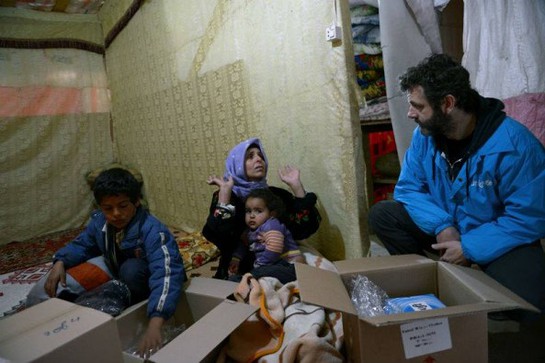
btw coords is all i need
(56, 275)
(152, 340)
(291, 176)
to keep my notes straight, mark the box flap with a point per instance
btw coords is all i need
(488, 289)
(331, 293)
(448, 312)
(30, 318)
(206, 334)
(204, 294)
(361, 265)
(51, 326)
(210, 287)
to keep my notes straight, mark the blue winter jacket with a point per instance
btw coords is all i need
(145, 236)
(496, 201)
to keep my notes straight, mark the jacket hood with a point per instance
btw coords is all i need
(489, 117)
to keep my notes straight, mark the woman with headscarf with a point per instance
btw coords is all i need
(246, 169)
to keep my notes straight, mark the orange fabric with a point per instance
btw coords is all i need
(88, 275)
(40, 100)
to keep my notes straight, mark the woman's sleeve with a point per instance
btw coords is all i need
(220, 228)
(303, 219)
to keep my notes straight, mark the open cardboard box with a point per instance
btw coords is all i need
(457, 333)
(208, 316)
(58, 331)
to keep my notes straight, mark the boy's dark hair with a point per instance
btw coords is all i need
(116, 181)
(440, 75)
(272, 202)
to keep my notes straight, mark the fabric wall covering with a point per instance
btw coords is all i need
(191, 79)
(54, 124)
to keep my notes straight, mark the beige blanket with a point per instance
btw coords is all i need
(284, 329)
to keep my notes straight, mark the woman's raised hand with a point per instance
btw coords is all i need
(220, 182)
(291, 176)
(226, 186)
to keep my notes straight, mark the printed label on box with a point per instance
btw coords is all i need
(425, 336)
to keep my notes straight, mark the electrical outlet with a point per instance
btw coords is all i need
(332, 33)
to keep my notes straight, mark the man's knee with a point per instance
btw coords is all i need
(381, 213)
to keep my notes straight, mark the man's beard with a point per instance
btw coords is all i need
(440, 124)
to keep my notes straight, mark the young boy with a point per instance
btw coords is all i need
(274, 247)
(136, 248)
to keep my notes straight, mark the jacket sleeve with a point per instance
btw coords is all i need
(303, 218)
(167, 272)
(413, 190)
(84, 246)
(521, 185)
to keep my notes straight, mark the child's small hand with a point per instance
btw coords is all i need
(233, 266)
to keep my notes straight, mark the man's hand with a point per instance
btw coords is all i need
(451, 251)
(57, 274)
(448, 234)
(151, 341)
(291, 176)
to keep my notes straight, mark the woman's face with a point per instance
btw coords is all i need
(254, 164)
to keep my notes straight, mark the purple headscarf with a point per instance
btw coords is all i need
(235, 167)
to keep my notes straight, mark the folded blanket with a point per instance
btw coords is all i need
(285, 329)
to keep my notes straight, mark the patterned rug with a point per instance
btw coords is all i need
(16, 256)
(194, 248)
(15, 286)
(22, 264)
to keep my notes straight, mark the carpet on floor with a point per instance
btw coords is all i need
(16, 255)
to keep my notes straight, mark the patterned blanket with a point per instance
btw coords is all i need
(284, 329)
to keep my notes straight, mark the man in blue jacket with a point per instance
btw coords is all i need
(134, 245)
(472, 185)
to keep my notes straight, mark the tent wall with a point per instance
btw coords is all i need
(191, 79)
(54, 121)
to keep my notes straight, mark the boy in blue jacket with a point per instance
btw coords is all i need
(136, 248)
(472, 185)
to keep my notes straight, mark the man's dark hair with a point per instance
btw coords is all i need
(440, 75)
(116, 181)
(272, 202)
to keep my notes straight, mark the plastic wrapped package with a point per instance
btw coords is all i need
(367, 297)
(111, 298)
(412, 303)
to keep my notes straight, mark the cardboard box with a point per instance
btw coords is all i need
(208, 316)
(59, 331)
(457, 333)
